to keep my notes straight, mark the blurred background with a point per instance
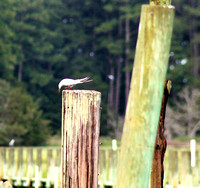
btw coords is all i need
(42, 42)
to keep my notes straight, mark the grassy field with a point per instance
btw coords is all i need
(56, 141)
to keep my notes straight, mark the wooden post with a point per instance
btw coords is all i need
(157, 172)
(2, 162)
(145, 97)
(160, 2)
(20, 166)
(5, 184)
(38, 167)
(30, 169)
(80, 138)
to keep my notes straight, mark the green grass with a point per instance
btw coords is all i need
(56, 141)
(186, 138)
(107, 142)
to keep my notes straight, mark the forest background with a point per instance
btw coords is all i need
(42, 42)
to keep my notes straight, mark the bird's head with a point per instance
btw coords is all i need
(59, 87)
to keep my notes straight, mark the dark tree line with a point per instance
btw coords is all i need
(42, 42)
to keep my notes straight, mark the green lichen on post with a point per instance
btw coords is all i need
(145, 96)
(160, 2)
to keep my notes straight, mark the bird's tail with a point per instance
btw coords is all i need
(86, 79)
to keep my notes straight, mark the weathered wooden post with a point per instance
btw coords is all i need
(157, 171)
(145, 96)
(5, 184)
(80, 138)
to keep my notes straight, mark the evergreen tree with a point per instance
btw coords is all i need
(7, 49)
(23, 120)
(184, 67)
(44, 41)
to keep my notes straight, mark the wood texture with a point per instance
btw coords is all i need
(145, 97)
(80, 138)
(5, 184)
(160, 2)
(157, 172)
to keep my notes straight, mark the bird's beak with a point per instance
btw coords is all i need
(58, 90)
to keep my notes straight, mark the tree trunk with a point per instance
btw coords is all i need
(195, 45)
(196, 57)
(20, 69)
(111, 86)
(127, 51)
(118, 79)
(118, 83)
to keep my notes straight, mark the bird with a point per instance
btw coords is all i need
(111, 77)
(11, 143)
(69, 83)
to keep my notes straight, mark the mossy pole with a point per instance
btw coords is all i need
(145, 96)
(80, 138)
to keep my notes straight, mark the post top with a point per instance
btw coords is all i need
(158, 7)
(160, 2)
(81, 91)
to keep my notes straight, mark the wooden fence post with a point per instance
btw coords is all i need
(80, 138)
(5, 184)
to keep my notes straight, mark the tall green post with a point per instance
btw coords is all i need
(145, 96)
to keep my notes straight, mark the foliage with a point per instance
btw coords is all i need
(4, 92)
(185, 51)
(184, 120)
(115, 122)
(23, 120)
(7, 53)
(42, 42)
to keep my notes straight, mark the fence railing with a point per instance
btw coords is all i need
(27, 165)
(39, 166)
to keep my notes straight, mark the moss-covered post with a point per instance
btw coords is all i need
(145, 97)
(80, 138)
